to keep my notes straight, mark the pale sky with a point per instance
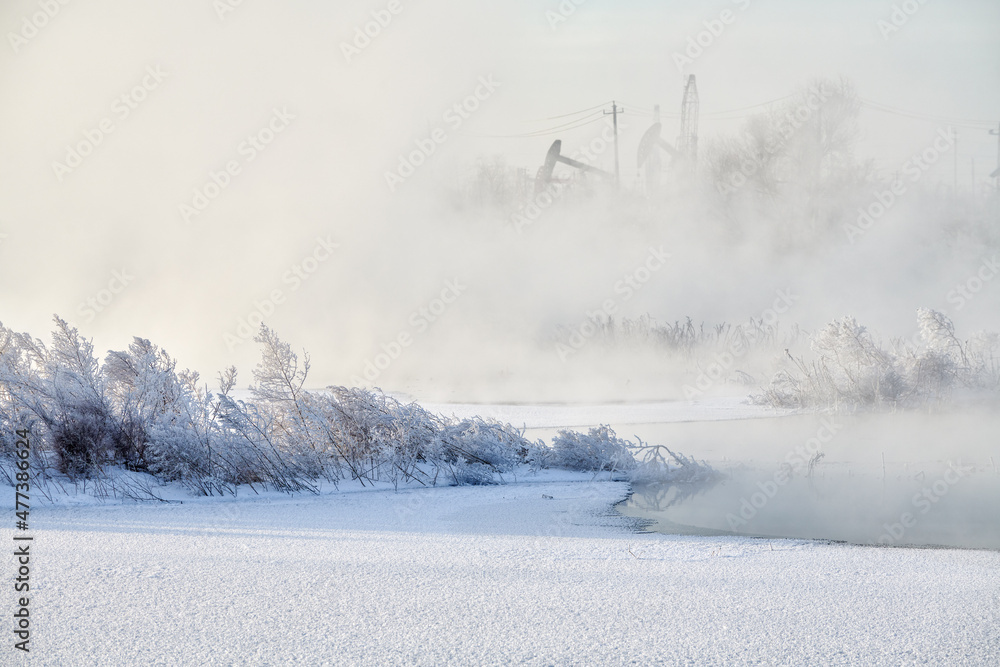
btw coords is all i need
(198, 81)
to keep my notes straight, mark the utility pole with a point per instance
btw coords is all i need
(955, 175)
(972, 161)
(614, 119)
(653, 161)
(996, 174)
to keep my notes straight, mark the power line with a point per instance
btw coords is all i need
(639, 108)
(752, 106)
(566, 115)
(670, 114)
(567, 127)
(958, 122)
(592, 116)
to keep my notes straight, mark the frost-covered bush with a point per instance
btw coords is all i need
(279, 398)
(851, 369)
(144, 389)
(257, 457)
(370, 435)
(684, 338)
(84, 432)
(656, 463)
(191, 444)
(474, 450)
(139, 412)
(61, 391)
(602, 450)
(599, 449)
(982, 353)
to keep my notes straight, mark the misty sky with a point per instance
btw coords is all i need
(198, 81)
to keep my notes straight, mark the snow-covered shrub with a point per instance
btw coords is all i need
(12, 409)
(476, 449)
(375, 437)
(139, 412)
(190, 444)
(685, 338)
(365, 433)
(852, 370)
(983, 354)
(144, 389)
(278, 393)
(63, 390)
(852, 367)
(417, 447)
(942, 362)
(600, 449)
(257, 456)
(656, 463)
(85, 433)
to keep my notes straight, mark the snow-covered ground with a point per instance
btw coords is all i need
(490, 575)
(540, 571)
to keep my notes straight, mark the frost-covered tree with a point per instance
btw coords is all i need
(789, 171)
(278, 390)
(73, 402)
(145, 389)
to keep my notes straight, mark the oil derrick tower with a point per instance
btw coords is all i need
(651, 159)
(687, 142)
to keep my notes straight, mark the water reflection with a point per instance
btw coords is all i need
(947, 504)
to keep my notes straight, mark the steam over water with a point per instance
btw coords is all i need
(940, 485)
(361, 179)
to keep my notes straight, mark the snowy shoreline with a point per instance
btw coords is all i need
(538, 571)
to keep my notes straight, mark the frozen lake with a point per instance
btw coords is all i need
(954, 507)
(905, 478)
(892, 479)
